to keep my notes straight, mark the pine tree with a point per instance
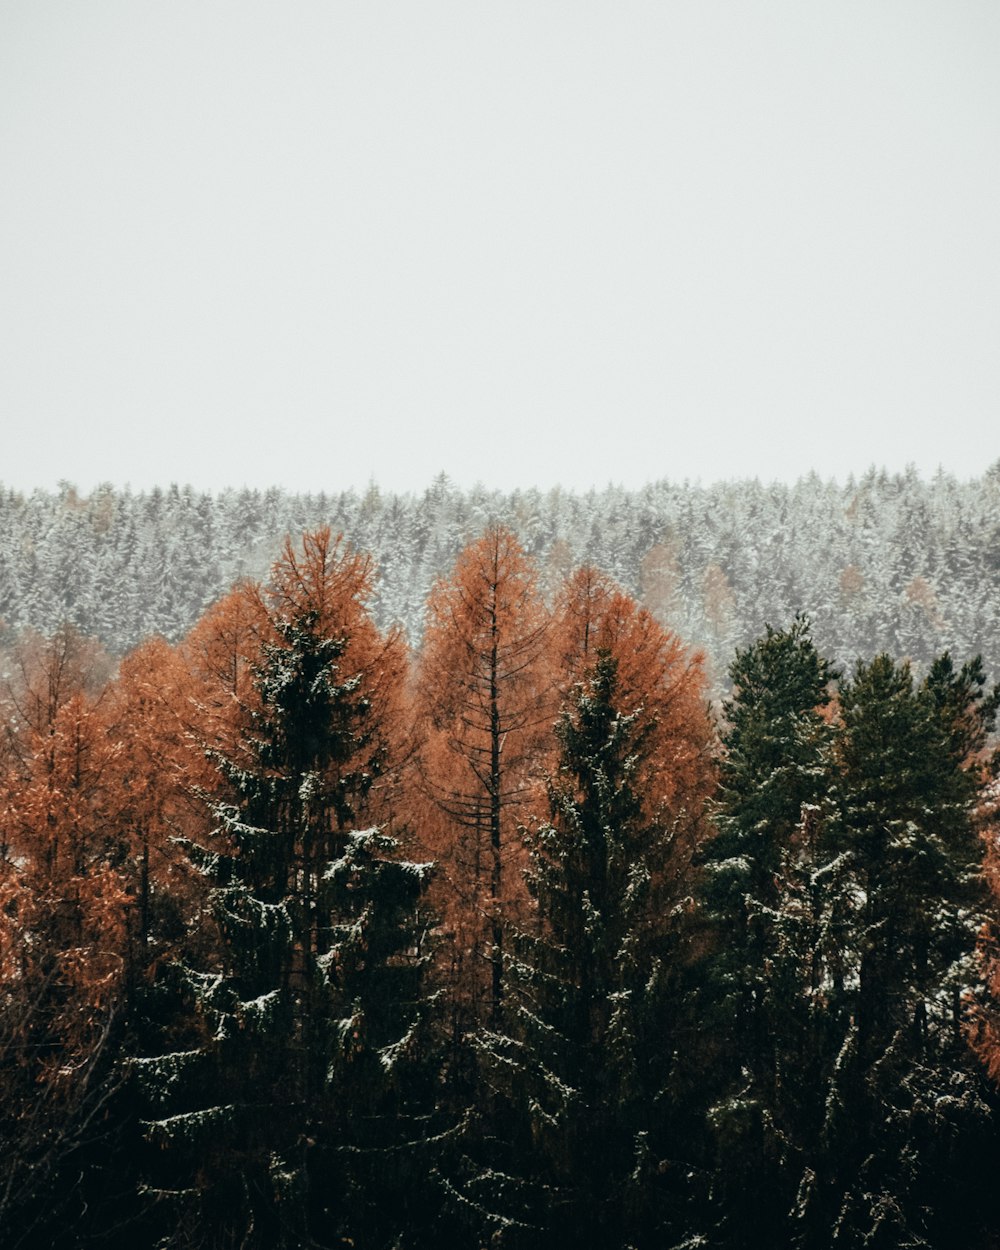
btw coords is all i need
(319, 933)
(910, 1144)
(770, 900)
(566, 1158)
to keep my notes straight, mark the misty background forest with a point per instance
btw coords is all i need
(521, 870)
(885, 561)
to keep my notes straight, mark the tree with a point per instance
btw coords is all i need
(483, 695)
(772, 898)
(579, 1066)
(659, 679)
(63, 938)
(909, 1147)
(319, 936)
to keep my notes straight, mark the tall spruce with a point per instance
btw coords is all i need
(910, 1141)
(286, 1077)
(770, 912)
(576, 1070)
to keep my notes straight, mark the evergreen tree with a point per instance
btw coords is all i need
(910, 1139)
(288, 1073)
(770, 913)
(578, 1066)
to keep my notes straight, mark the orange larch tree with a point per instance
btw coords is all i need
(658, 675)
(63, 920)
(218, 655)
(586, 1046)
(161, 768)
(484, 704)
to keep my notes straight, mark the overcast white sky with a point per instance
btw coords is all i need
(309, 243)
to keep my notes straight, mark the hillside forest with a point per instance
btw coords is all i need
(522, 920)
(882, 562)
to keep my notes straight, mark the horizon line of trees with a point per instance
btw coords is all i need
(308, 939)
(884, 561)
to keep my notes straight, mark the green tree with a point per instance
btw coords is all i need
(578, 1064)
(771, 902)
(909, 1142)
(288, 1073)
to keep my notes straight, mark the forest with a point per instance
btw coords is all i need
(445, 890)
(882, 562)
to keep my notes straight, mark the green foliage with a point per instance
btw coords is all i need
(774, 898)
(577, 1069)
(913, 1105)
(292, 1081)
(778, 1059)
(845, 890)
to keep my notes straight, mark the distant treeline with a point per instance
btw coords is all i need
(885, 561)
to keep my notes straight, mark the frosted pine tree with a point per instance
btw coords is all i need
(911, 1141)
(774, 903)
(565, 1157)
(290, 1074)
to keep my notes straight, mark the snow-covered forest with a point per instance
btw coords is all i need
(891, 562)
(531, 871)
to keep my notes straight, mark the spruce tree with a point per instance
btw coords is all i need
(770, 902)
(309, 1012)
(577, 1067)
(910, 1136)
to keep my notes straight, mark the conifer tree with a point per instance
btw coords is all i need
(483, 695)
(290, 1065)
(911, 1132)
(64, 901)
(155, 766)
(663, 682)
(772, 895)
(577, 1069)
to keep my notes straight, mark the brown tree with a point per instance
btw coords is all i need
(218, 656)
(63, 931)
(484, 703)
(156, 723)
(658, 675)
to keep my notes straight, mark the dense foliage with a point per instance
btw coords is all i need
(882, 562)
(308, 940)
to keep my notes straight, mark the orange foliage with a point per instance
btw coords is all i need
(485, 705)
(983, 1018)
(921, 594)
(65, 902)
(43, 674)
(329, 582)
(63, 926)
(660, 579)
(218, 655)
(852, 581)
(660, 678)
(161, 764)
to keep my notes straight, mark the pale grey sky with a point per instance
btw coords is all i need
(307, 243)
